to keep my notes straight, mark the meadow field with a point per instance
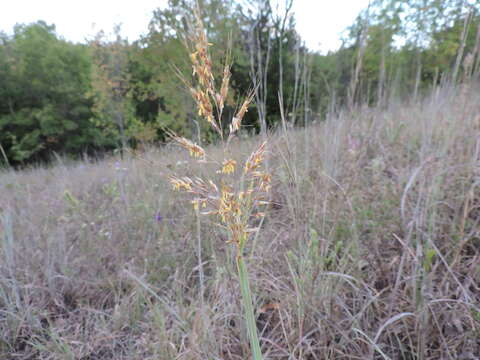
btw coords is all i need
(369, 249)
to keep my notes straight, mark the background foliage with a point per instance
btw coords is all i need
(75, 98)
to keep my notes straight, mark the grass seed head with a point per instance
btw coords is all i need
(234, 205)
(228, 166)
(222, 96)
(195, 150)
(255, 160)
(180, 184)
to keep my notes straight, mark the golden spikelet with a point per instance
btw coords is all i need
(235, 125)
(181, 183)
(195, 150)
(237, 119)
(228, 166)
(244, 108)
(222, 96)
(255, 160)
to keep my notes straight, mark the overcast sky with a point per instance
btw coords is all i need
(318, 21)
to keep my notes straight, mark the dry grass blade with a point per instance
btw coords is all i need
(388, 323)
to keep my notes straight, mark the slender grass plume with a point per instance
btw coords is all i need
(237, 198)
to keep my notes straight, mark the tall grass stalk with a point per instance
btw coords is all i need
(236, 200)
(248, 305)
(200, 258)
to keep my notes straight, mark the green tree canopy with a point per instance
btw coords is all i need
(43, 86)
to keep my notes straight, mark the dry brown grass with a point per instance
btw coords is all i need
(370, 250)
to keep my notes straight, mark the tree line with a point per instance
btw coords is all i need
(107, 94)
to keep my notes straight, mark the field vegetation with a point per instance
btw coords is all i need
(370, 248)
(364, 242)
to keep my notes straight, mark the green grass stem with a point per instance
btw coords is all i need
(248, 308)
